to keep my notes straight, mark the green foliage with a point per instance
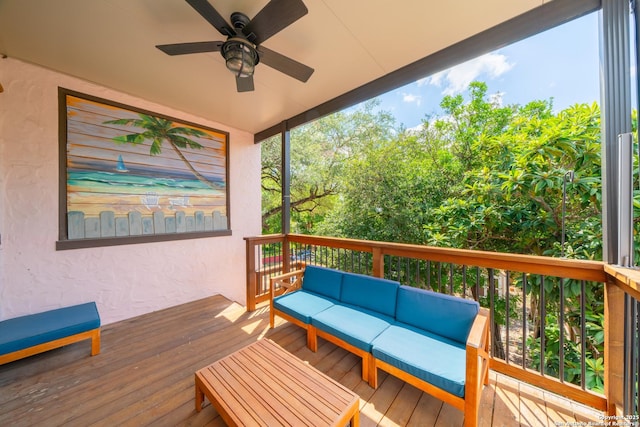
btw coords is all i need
(511, 202)
(319, 152)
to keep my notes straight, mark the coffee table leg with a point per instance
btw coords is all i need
(199, 397)
(355, 421)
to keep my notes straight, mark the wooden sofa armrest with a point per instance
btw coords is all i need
(477, 366)
(284, 281)
(479, 334)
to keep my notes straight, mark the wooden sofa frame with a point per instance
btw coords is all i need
(477, 353)
(93, 335)
(477, 372)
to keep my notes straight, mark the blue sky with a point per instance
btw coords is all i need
(561, 63)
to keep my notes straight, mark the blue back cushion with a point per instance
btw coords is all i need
(322, 281)
(368, 292)
(445, 315)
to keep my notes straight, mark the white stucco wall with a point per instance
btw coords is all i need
(124, 281)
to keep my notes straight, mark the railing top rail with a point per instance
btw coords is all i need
(627, 279)
(559, 267)
(265, 239)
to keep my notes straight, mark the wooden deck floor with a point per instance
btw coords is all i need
(144, 376)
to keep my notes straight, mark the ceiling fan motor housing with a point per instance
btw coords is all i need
(239, 20)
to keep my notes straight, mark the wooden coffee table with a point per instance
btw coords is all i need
(264, 385)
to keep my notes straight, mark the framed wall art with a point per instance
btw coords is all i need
(129, 176)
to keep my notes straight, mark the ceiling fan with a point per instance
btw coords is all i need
(243, 48)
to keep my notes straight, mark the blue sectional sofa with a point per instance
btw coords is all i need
(436, 342)
(35, 333)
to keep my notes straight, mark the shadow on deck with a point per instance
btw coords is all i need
(144, 376)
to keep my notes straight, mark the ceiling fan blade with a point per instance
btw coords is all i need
(275, 16)
(185, 48)
(204, 8)
(244, 84)
(284, 64)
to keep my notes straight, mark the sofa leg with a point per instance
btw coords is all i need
(312, 338)
(366, 364)
(471, 418)
(95, 342)
(471, 407)
(373, 373)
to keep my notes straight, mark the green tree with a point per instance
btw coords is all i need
(387, 189)
(392, 186)
(319, 151)
(159, 130)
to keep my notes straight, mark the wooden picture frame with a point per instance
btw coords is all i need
(128, 175)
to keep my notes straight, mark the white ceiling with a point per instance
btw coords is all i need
(347, 42)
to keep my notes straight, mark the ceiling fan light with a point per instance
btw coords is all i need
(241, 58)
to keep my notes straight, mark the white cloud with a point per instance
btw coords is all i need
(457, 79)
(496, 98)
(411, 98)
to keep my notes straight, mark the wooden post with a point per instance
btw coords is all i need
(251, 276)
(378, 262)
(286, 255)
(614, 348)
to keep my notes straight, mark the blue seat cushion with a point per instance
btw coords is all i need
(302, 305)
(322, 281)
(27, 331)
(434, 359)
(369, 292)
(357, 327)
(444, 315)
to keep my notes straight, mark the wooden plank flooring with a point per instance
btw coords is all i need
(144, 376)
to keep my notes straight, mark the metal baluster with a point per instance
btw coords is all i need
(561, 326)
(408, 272)
(464, 281)
(353, 262)
(506, 317)
(524, 321)
(583, 336)
(636, 346)
(451, 267)
(543, 315)
(477, 283)
(492, 307)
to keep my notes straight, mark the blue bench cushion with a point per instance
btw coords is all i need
(368, 292)
(302, 305)
(444, 315)
(358, 327)
(322, 281)
(27, 331)
(436, 360)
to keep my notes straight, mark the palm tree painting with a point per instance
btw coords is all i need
(158, 130)
(142, 172)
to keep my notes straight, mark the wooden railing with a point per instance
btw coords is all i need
(620, 282)
(516, 288)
